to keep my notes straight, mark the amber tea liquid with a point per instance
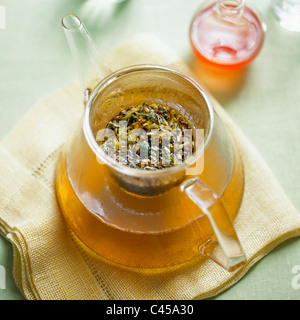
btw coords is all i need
(135, 231)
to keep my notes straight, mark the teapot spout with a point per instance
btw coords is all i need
(90, 64)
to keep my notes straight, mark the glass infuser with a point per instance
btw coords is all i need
(139, 218)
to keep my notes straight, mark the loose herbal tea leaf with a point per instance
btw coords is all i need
(149, 136)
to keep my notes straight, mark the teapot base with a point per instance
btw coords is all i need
(144, 249)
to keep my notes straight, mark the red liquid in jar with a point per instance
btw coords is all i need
(226, 42)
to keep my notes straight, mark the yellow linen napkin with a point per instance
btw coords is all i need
(50, 263)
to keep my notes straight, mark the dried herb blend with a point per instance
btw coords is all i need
(150, 137)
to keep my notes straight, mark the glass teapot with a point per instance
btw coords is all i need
(139, 218)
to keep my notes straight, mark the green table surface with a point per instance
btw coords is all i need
(35, 62)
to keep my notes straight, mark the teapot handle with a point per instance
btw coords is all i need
(229, 254)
